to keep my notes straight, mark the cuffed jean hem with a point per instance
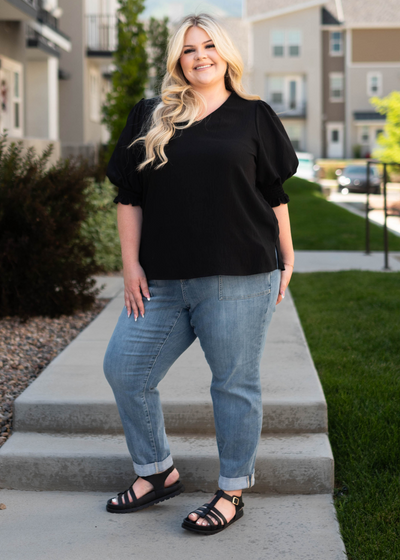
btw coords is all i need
(153, 468)
(236, 483)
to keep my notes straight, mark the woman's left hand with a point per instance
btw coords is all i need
(285, 279)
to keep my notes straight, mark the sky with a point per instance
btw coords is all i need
(176, 9)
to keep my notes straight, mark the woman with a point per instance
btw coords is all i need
(207, 253)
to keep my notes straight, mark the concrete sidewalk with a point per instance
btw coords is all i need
(333, 261)
(68, 437)
(75, 526)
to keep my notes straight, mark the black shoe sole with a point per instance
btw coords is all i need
(110, 508)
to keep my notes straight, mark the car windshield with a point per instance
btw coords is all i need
(359, 170)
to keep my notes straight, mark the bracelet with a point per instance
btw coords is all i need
(288, 264)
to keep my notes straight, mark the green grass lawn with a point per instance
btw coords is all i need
(319, 225)
(352, 324)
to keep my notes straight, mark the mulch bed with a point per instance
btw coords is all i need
(27, 348)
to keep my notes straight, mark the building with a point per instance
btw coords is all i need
(92, 26)
(317, 63)
(30, 46)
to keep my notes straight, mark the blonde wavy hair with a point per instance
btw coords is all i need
(180, 103)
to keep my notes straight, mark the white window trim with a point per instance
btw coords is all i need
(371, 75)
(14, 67)
(336, 99)
(331, 51)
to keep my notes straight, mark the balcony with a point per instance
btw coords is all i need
(101, 35)
(39, 48)
(18, 10)
(44, 38)
(290, 110)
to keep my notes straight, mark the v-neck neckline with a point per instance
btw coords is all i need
(215, 110)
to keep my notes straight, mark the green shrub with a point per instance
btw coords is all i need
(100, 227)
(46, 263)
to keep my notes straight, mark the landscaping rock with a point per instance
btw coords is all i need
(26, 349)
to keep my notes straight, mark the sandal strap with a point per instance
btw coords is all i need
(209, 510)
(214, 509)
(235, 500)
(127, 495)
(158, 480)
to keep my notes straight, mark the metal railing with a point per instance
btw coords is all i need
(286, 110)
(46, 17)
(35, 40)
(386, 214)
(101, 33)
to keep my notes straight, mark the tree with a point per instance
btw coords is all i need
(130, 76)
(158, 34)
(390, 140)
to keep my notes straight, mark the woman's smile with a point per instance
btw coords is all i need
(203, 67)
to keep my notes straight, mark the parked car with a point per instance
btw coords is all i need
(307, 168)
(353, 178)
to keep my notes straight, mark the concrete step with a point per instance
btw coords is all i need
(286, 464)
(73, 396)
(66, 525)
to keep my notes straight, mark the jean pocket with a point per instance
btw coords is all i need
(151, 284)
(244, 287)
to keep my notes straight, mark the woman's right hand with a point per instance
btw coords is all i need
(135, 285)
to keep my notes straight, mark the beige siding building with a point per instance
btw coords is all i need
(318, 63)
(30, 46)
(92, 26)
(287, 66)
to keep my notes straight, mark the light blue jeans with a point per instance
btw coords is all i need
(230, 315)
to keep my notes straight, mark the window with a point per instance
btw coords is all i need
(336, 43)
(94, 78)
(286, 42)
(336, 87)
(276, 89)
(364, 135)
(285, 93)
(294, 42)
(278, 43)
(17, 101)
(11, 90)
(292, 94)
(294, 131)
(334, 135)
(374, 84)
(378, 131)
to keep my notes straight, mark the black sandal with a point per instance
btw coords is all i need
(158, 494)
(210, 513)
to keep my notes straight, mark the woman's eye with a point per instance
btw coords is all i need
(211, 46)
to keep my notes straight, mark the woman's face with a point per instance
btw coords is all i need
(201, 64)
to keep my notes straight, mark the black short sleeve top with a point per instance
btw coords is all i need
(208, 211)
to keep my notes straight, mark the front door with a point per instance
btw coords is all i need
(335, 140)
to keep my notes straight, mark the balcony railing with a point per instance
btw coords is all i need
(290, 110)
(46, 17)
(35, 40)
(101, 35)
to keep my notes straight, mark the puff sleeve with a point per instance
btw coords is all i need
(276, 158)
(121, 169)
